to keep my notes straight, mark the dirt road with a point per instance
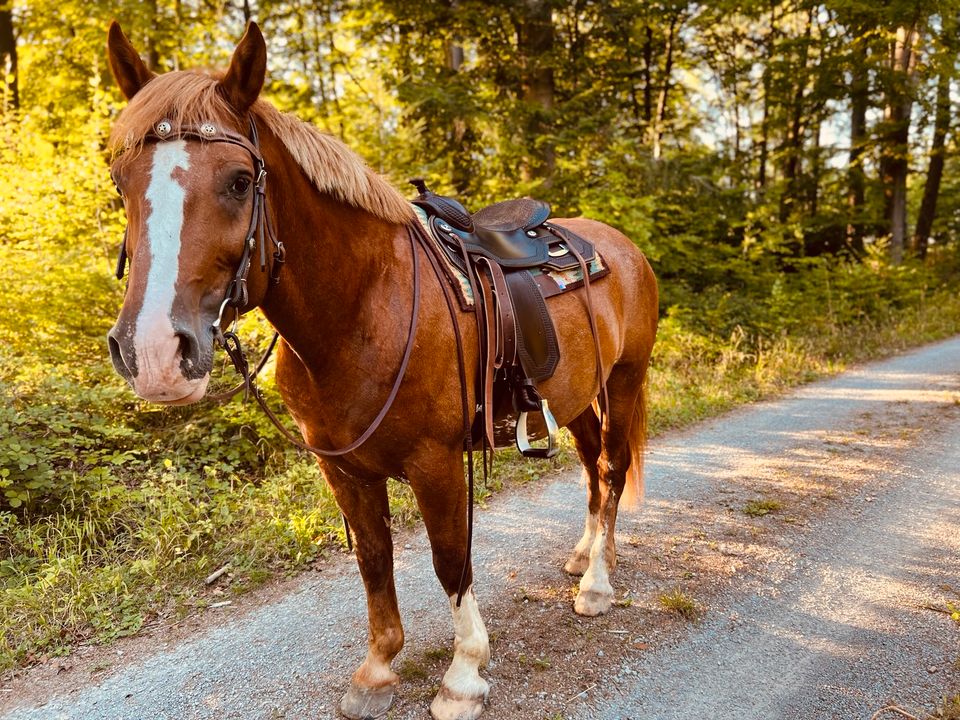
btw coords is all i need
(807, 547)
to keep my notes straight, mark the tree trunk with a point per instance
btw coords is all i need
(657, 126)
(766, 81)
(931, 189)
(856, 179)
(648, 76)
(894, 162)
(461, 136)
(816, 170)
(794, 143)
(156, 27)
(8, 57)
(536, 44)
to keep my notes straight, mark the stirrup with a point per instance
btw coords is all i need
(523, 440)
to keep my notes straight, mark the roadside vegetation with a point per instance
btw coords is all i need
(112, 512)
(677, 602)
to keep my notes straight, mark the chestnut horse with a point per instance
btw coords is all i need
(343, 307)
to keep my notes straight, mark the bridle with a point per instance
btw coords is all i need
(237, 296)
(261, 227)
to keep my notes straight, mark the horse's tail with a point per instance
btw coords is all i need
(633, 488)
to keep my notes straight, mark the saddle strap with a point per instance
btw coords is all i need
(591, 315)
(503, 314)
(499, 319)
(486, 324)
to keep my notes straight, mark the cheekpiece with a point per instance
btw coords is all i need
(163, 128)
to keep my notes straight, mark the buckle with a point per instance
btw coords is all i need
(523, 440)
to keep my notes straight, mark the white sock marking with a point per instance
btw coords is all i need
(589, 533)
(597, 578)
(471, 649)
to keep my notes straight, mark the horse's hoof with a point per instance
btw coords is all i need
(577, 564)
(591, 603)
(448, 705)
(361, 703)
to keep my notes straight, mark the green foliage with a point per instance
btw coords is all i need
(762, 507)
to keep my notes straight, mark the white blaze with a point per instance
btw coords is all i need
(159, 376)
(164, 225)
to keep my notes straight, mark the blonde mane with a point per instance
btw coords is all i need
(191, 98)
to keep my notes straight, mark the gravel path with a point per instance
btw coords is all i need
(820, 614)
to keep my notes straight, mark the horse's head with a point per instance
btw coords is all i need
(188, 182)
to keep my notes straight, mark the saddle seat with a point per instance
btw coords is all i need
(511, 233)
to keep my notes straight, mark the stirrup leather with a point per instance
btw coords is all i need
(523, 440)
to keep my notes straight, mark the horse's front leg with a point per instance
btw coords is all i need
(442, 498)
(367, 509)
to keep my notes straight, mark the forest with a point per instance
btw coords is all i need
(788, 167)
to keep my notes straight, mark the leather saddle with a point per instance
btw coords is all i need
(513, 233)
(504, 250)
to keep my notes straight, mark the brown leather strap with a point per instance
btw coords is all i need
(504, 316)
(231, 344)
(228, 394)
(591, 315)
(486, 321)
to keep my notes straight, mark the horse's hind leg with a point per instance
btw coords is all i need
(367, 509)
(585, 429)
(621, 441)
(442, 498)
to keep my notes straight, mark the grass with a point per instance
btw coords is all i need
(139, 528)
(676, 602)
(947, 709)
(762, 507)
(537, 663)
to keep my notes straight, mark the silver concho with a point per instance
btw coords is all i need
(208, 129)
(163, 128)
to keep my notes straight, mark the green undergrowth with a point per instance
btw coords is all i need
(112, 512)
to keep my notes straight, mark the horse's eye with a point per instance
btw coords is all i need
(240, 185)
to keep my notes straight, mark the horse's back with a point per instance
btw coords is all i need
(625, 306)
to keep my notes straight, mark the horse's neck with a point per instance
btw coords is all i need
(338, 263)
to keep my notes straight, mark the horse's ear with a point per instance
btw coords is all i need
(128, 69)
(244, 79)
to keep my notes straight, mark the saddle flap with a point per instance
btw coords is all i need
(512, 248)
(510, 215)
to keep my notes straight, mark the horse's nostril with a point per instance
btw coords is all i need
(189, 347)
(124, 367)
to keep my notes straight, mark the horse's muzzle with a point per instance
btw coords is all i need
(171, 367)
